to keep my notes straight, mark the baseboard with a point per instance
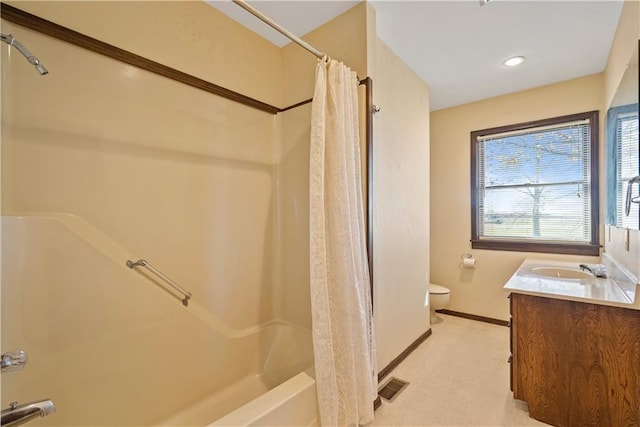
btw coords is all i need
(395, 362)
(474, 317)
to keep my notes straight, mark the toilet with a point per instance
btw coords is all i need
(438, 299)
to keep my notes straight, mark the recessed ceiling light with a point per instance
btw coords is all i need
(513, 61)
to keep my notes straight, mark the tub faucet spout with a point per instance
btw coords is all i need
(16, 414)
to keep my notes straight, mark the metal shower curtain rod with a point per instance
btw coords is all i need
(243, 4)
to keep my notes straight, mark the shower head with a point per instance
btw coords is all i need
(11, 41)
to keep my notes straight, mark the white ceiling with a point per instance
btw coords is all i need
(457, 47)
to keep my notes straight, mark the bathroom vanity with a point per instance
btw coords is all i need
(575, 345)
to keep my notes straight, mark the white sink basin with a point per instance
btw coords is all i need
(561, 273)
(565, 280)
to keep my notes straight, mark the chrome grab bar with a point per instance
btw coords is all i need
(174, 285)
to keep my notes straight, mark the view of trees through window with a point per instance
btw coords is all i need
(533, 182)
(536, 184)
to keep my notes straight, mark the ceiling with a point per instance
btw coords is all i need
(457, 47)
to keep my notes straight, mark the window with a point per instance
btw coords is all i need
(623, 146)
(534, 186)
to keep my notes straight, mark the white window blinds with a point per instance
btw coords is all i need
(627, 167)
(535, 184)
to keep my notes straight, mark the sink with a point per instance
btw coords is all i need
(561, 273)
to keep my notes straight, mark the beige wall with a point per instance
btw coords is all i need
(623, 57)
(479, 290)
(343, 39)
(625, 42)
(401, 205)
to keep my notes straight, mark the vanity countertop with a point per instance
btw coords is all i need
(618, 289)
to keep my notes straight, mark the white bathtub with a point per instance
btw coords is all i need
(157, 362)
(292, 403)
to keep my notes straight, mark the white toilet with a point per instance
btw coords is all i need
(438, 299)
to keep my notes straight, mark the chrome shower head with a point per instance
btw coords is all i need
(11, 41)
(42, 69)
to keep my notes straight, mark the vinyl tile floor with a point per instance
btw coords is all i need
(458, 377)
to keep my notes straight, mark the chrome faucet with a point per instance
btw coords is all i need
(16, 414)
(598, 270)
(628, 200)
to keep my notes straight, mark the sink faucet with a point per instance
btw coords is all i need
(598, 270)
(16, 414)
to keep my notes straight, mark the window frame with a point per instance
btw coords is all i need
(613, 116)
(543, 246)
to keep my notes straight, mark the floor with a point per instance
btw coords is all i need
(458, 377)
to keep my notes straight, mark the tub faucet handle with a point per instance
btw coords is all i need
(13, 361)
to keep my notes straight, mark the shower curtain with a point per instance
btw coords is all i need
(343, 336)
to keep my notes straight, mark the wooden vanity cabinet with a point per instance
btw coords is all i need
(574, 363)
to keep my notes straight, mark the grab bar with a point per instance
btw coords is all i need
(174, 285)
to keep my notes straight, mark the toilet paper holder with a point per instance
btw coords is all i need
(468, 260)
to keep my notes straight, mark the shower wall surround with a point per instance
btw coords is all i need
(175, 175)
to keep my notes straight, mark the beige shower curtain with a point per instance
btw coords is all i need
(343, 336)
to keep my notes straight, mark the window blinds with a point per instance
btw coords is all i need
(627, 167)
(535, 183)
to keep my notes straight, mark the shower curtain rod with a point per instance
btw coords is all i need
(243, 4)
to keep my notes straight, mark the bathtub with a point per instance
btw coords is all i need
(160, 365)
(292, 403)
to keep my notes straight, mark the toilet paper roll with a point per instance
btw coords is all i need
(469, 262)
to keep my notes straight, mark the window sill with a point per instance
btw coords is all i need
(541, 247)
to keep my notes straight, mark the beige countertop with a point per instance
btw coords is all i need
(618, 289)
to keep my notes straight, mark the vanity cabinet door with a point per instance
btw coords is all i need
(541, 365)
(576, 364)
